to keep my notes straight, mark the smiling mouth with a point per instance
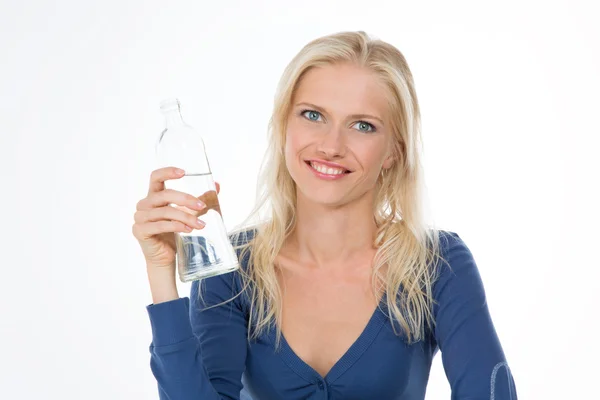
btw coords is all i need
(324, 169)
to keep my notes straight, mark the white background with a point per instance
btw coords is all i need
(509, 94)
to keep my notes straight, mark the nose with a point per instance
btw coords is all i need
(333, 143)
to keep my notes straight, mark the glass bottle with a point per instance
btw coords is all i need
(202, 252)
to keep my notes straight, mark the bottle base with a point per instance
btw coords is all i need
(207, 271)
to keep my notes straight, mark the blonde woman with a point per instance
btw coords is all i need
(343, 291)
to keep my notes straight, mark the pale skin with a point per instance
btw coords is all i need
(325, 266)
(156, 222)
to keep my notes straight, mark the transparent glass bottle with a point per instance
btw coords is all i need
(202, 252)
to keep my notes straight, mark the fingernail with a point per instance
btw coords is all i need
(201, 223)
(201, 204)
(179, 171)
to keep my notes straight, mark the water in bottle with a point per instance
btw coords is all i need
(208, 251)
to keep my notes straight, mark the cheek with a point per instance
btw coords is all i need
(372, 158)
(289, 145)
(290, 150)
(295, 141)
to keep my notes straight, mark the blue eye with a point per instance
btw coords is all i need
(365, 127)
(311, 114)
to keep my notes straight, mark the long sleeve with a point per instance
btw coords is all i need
(199, 353)
(472, 355)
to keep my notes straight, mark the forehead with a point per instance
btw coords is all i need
(343, 89)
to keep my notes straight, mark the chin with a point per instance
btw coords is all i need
(319, 196)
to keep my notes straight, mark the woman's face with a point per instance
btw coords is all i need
(338, 137)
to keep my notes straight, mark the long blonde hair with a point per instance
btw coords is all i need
(404, 243)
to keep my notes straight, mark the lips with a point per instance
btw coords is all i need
(327, 166)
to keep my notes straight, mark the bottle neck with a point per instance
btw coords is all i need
(173, 118)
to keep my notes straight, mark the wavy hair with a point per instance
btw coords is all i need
(405, 244)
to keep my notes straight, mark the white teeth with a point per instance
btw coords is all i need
(325, 170)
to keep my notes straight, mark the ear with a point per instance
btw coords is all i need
(388, 162)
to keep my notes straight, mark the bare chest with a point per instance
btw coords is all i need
(324, 316)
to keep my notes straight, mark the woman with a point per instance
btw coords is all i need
(343, 293)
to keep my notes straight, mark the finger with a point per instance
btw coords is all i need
(218, 187)
(170, 196)
(168, 214)
(144, 231)
(159, 176)
(211, 200)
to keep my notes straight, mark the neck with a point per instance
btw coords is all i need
(326, 237)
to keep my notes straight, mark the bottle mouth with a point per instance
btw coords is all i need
(169, 104)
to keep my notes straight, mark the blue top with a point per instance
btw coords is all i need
(205, 355)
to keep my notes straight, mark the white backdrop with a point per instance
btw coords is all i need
(509, 97)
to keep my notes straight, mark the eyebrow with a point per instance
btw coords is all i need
(321, 109)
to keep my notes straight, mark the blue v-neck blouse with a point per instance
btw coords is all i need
(204, 354)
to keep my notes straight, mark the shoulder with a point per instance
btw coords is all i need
(457, 273)
(241, 240)
(449, 240)
(454, 251)
(458, 290)
(242, 237)
(230, 286)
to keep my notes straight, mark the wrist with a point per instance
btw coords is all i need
(163, 285)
